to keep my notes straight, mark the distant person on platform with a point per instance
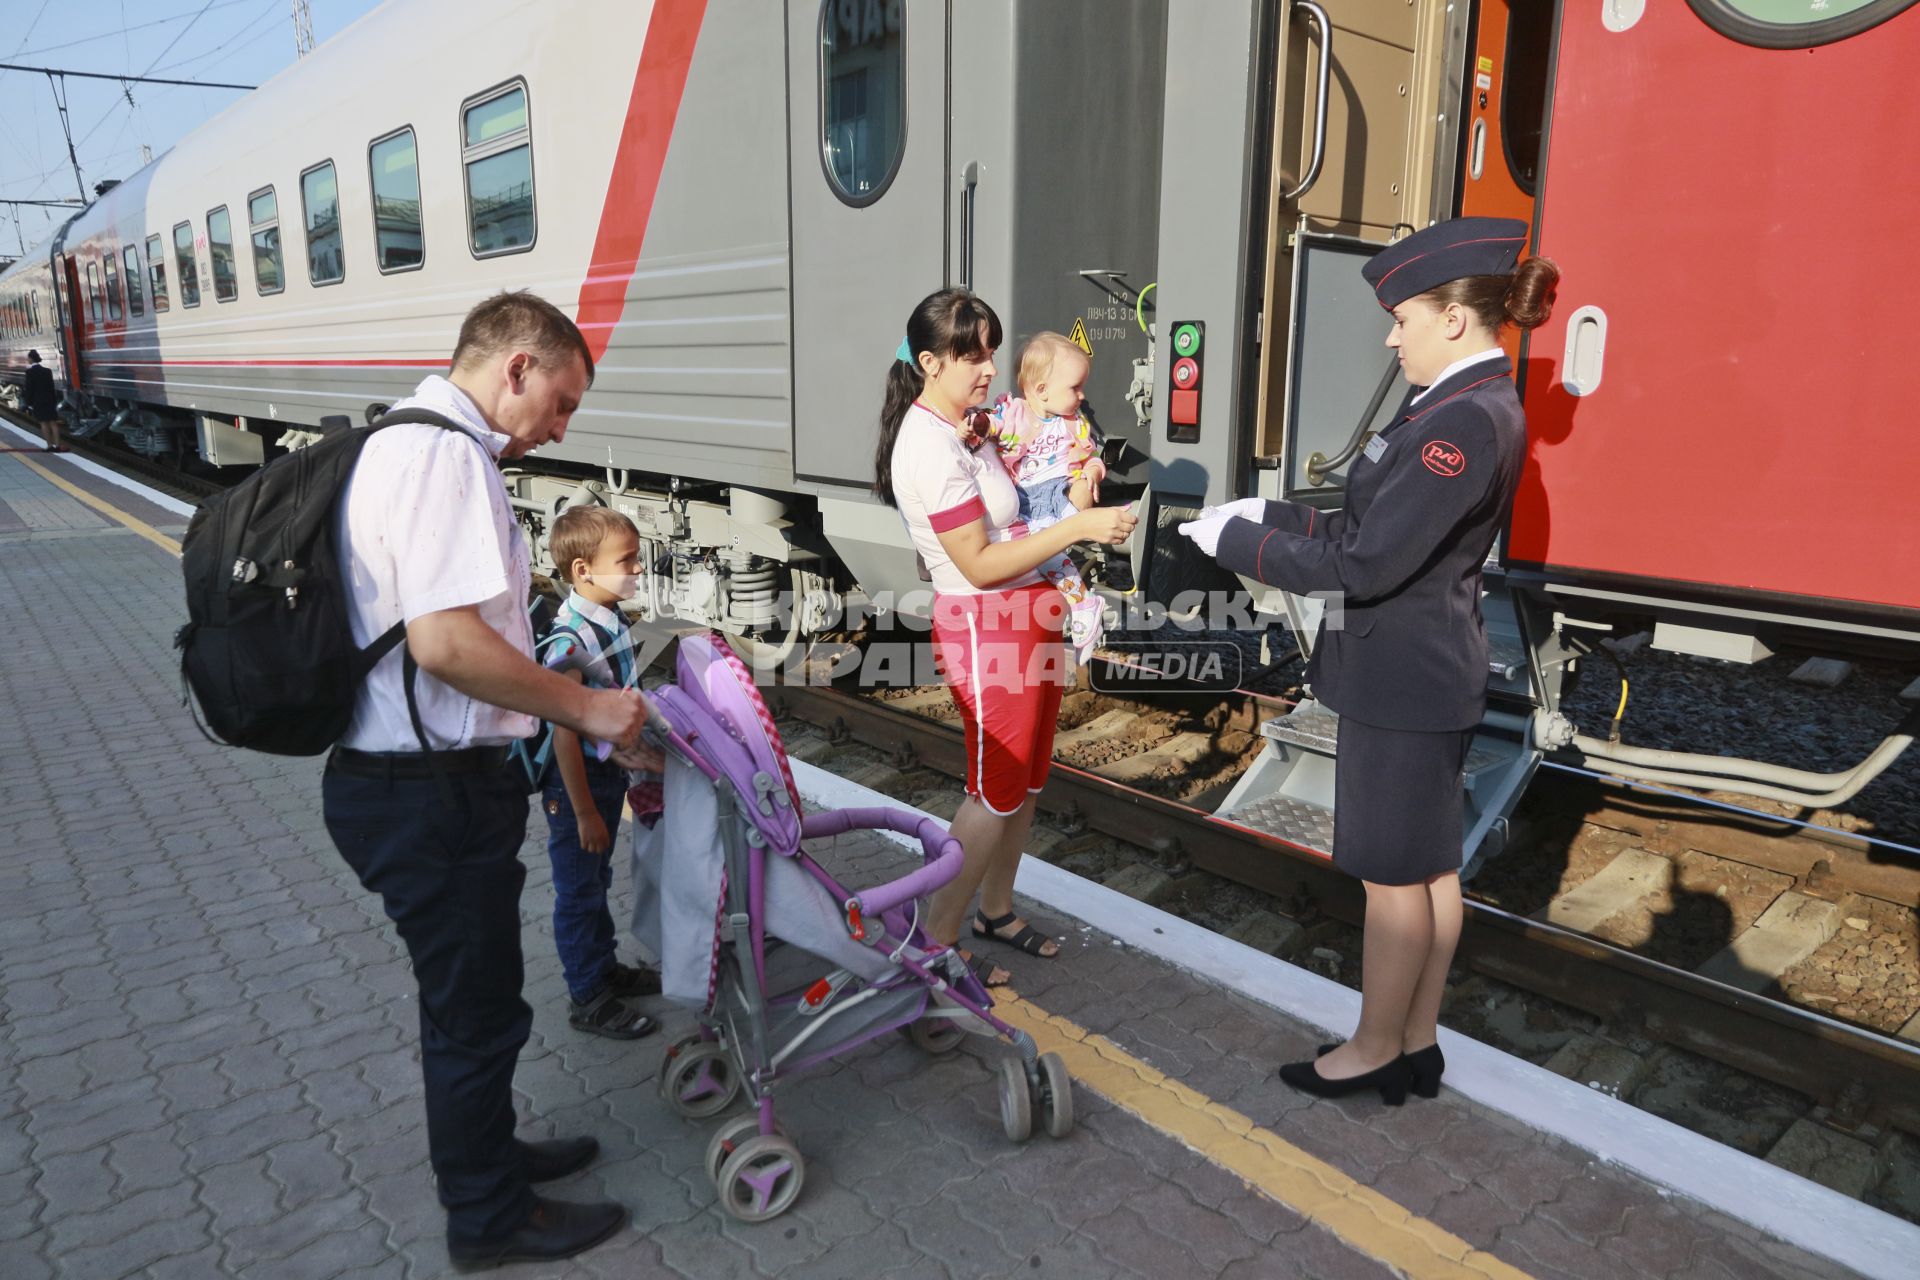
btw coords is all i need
(427, 535)
(43, 401)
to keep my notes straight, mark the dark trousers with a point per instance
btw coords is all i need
(582, 924)
(447, 867)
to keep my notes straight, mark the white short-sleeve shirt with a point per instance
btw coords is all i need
(425, 525)
(941, 485)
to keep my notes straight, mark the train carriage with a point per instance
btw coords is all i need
(740, 201)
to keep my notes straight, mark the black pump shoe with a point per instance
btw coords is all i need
(545, 1161)
(554, 1229)
(1391, 1080)
(1425, 1065)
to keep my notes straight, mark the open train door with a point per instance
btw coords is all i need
(73, 321)
(1505, 113)
(1355, 158)
(867, 87)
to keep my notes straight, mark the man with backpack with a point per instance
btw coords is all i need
(426, 536)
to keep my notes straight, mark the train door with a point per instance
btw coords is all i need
(74, 331)
(1356, 157)
(867, 85)
(1505, 108)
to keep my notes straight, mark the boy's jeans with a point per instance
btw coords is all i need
(582, 924)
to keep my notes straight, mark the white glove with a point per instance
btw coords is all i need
(1254, 509)
(1205, 532)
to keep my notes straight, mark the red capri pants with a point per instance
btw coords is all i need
(1000, 652)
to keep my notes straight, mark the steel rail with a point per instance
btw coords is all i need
(1855, 1071)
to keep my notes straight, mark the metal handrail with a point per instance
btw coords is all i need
(1312, 174)
(1318, 464)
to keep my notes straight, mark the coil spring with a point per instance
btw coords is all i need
(751, 601)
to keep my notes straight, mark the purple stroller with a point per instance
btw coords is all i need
(788, 968)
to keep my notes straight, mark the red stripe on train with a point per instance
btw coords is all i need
(658, 87)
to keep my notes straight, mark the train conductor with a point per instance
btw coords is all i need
(1404, 662)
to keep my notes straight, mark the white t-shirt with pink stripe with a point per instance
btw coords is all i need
(941, 485)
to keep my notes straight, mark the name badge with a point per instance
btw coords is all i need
(1376, 447)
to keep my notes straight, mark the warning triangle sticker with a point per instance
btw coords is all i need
(1079, 336)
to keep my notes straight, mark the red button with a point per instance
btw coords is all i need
(1186, 373)
(1183, 408)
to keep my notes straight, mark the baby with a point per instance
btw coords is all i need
(1048, 448)
(1051, 453)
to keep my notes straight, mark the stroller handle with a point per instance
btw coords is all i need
(943, 853)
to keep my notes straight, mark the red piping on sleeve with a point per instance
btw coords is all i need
(953, 517)
(1257, 553)
(1311, 513)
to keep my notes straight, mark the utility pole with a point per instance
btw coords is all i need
(302, 29)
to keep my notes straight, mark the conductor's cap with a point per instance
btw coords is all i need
(1445, 251)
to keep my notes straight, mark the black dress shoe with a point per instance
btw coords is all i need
(545, 1161)
(554, 1229)
(1426, 1065)
(1391, 1080)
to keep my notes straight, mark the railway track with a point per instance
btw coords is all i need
(1582, 948)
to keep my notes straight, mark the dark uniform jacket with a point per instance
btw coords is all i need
(1424, 504)
(41, 399)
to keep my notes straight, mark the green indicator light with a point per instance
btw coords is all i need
(1186, 340)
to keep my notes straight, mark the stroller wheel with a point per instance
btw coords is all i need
(761, 1179)
(1016, 1100)
(1056, 1096)
(700, 1081)
(936, 1035)
(669, 1056)
(729, 1137)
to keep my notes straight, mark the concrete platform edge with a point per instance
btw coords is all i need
(93, 468)
(1782, 1204)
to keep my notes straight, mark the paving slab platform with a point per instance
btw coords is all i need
(208, 1062)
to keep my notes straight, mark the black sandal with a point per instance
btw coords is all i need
(983, 969)
(627, 980)
(607, 1015)
(1029, 939)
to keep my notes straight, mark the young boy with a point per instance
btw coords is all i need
(596, 550)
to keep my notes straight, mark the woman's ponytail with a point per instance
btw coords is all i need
(1529, 296)
(904, 381)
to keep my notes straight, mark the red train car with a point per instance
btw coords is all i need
(1718, 405)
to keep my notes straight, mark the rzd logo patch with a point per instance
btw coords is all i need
(1443, 459)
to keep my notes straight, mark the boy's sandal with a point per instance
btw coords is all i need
(627, 980)
(607, 1015)
(1028, 939)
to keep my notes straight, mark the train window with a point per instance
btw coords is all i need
(93, 291)
(863, 100)
(136, 302)
(497, 154)
(157, 274)
(320, 196)
(398, 242)
(226, 282)
(1795, 24)
(263, 220)
(189, 268)
(113, 286)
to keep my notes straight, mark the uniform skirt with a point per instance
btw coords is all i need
(1398, 815)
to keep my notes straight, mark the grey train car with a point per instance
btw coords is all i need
(741, 201)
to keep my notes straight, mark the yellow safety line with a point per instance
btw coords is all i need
(104, 507)
(1312, 1188)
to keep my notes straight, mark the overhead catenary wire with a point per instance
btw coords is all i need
(123, 78)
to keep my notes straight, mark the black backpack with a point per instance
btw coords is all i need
(268, 650)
